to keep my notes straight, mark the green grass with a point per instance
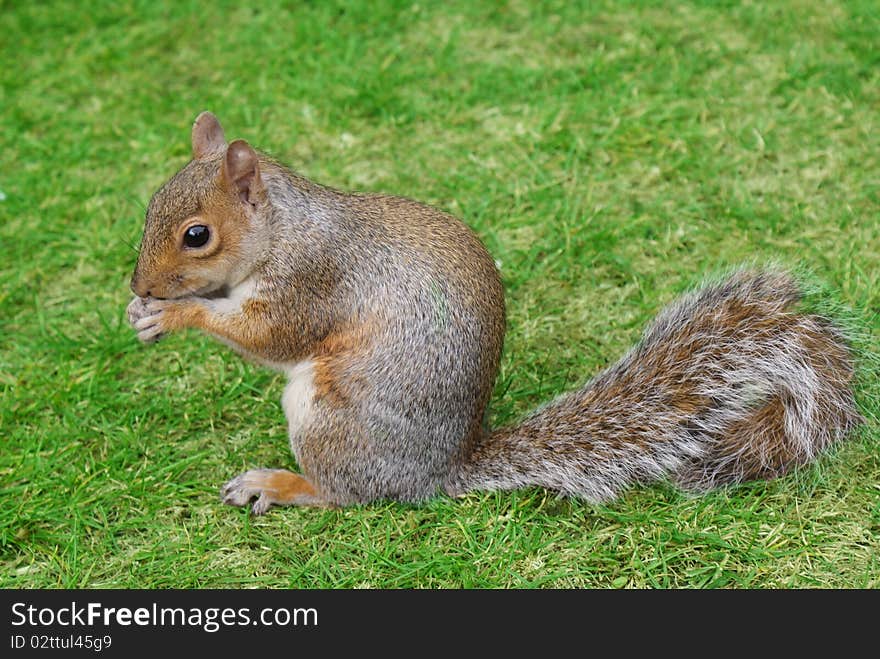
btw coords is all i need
(610, 154)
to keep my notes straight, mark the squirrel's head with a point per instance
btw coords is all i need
(204, 228)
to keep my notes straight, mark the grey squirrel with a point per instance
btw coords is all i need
(387, 316)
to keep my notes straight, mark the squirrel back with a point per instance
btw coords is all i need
(387, 316)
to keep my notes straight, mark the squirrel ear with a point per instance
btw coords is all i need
(241, 170)
(207, 137)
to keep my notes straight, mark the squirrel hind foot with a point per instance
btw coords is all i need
(270, 487)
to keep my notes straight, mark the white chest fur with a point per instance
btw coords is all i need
(236, 297)
(231, 305)
(298, 394)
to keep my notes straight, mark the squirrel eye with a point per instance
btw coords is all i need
(196, 236)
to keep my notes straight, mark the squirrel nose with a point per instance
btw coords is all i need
(139, 287)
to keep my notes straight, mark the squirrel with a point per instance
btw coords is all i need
(387, 315)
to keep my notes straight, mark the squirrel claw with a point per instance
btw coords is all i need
(136, 309)
(240, 491)
(270, 487)
(261, 505)
(144, 314)
(236, 493)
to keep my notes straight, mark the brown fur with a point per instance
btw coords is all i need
(336, 358)
(286, 487)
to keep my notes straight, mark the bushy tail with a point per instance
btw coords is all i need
(729, 383)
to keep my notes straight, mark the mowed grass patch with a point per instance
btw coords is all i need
(611, 155)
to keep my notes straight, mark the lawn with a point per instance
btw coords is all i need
(610, 155)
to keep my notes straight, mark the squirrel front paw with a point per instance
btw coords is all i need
(149, 317)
